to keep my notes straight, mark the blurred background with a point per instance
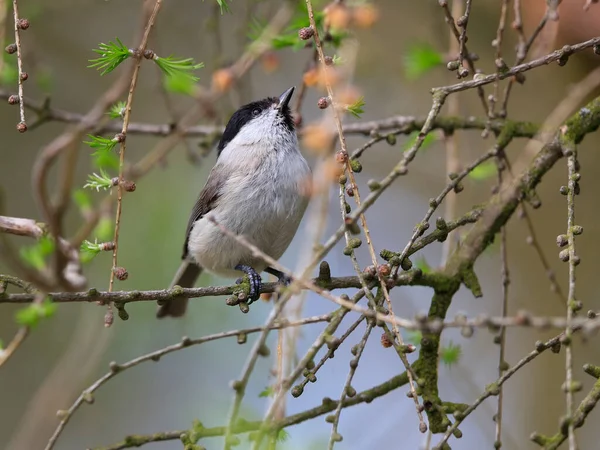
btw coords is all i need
(66, 354)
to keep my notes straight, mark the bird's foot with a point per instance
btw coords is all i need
(253, 278)
(282, 277)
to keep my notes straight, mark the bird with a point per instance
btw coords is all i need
(256, 190)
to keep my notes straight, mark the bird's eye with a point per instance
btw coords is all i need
(255, 112)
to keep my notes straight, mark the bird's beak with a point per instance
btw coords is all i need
(285, 98)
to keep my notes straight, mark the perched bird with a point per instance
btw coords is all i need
(254, 190)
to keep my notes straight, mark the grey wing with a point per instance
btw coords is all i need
(205, 203)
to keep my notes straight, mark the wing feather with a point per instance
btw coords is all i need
(206, 202)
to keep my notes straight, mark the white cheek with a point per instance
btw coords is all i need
(256, 131)
(251, 141)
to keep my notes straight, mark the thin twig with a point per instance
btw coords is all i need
(505, 281)
(465, 53)
(497, 43)
(19, 337)
(570, 388)
(518, 25)
(13, 345)
(523, 48)
(278, 367)
(348, 390)
(126, 118)
(3, 16)
(534, 241)
(330, 351)
(547, 59)
(353, 187)
(463, 34)
(22, 125)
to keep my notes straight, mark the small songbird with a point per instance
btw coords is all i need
(254, 190)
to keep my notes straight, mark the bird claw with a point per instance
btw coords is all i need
(281, 277)
(254, 280)
(285, 280)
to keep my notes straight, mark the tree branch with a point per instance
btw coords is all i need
(561, 56)
(327, 406)
(403, 123)
(495, 215)
(93, 295)
(586, 406)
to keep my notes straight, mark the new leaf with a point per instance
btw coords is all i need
(111, 55)
(178, 67)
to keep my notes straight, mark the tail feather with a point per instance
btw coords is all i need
(186, 277)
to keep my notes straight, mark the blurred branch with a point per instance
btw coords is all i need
(30, 228)
(21, 284)
(18, 339)
(12, 346)
(26, 227)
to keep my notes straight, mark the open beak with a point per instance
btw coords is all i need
(285, 98)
